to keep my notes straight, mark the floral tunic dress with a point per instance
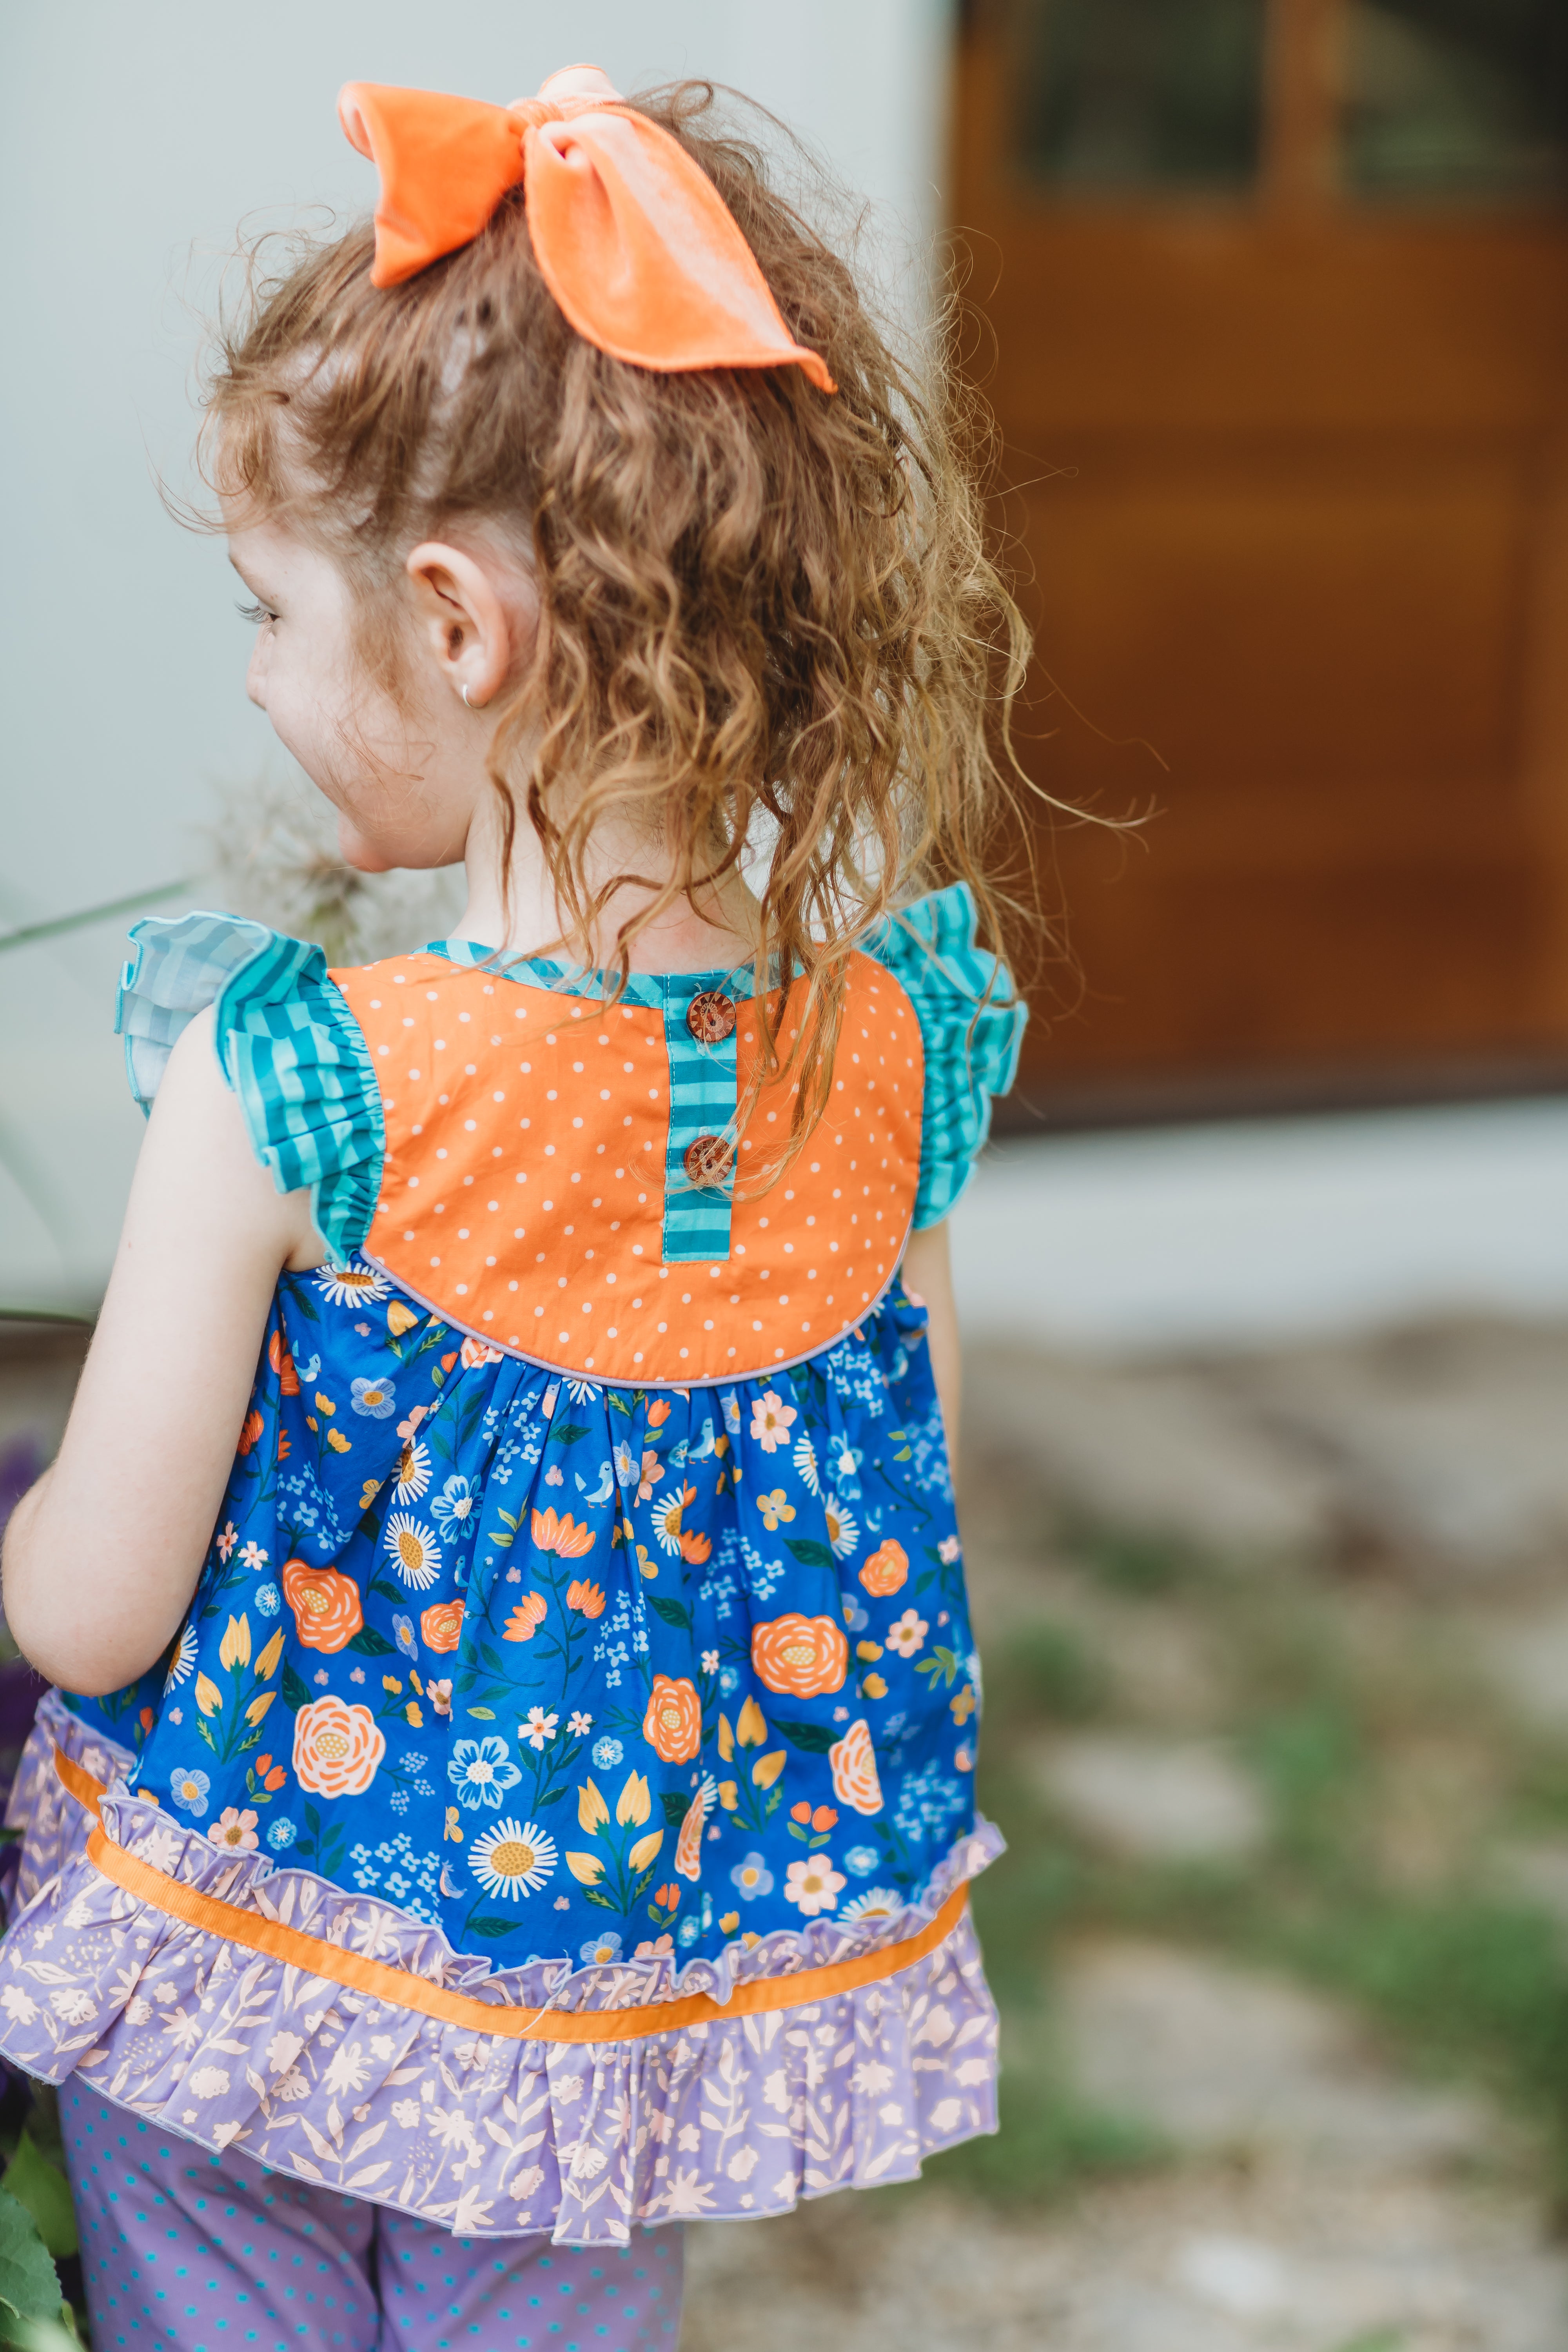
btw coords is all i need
(556, 1809)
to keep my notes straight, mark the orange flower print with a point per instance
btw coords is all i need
(689, 1844)
(441, 1625)
(326, 1605)
(659, 1413)
(525, 1619)
(853, 1760)
(694, 1547)
(337, 1748)
(885, 1571)
(282, 1363)
(251, 1430)
(799, 1656)
(673, 1724)
(587, 1597)
(562, 1536)
(474, 1352)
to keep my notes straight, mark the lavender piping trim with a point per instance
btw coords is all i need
(483, 2136)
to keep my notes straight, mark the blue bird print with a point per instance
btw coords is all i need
(704, 1445)
(604, 1488)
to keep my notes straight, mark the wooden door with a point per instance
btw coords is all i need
(1279, 359)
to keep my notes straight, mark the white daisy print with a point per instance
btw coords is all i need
(352, 1285)
(537, 1728)
(804, 1458)
(412, 1472)
(513, 1859)
(183, 1659)
(842, 1532)
(878, 1905)
(415, 1552)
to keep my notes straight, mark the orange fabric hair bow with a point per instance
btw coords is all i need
(631, 236)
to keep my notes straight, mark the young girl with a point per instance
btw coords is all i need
(523, 1795)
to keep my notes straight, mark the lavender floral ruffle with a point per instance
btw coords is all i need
(56, 1826)
(484, 2135)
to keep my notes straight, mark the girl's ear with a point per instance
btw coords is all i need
(474, 620)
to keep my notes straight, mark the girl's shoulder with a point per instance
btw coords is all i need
(287, 1042)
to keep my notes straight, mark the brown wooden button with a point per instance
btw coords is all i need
(706, 1161)
(711, 1017)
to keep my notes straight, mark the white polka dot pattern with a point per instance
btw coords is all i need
(522, 1187)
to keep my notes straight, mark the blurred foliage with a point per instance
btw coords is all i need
(42, 2308)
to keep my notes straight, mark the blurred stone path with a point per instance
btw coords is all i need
(1316, 2203)
(1313, 2197)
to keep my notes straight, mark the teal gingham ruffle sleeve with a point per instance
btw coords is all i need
(288, 1045)
(972, 1025)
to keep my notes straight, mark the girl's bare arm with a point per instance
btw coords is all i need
(103, 1556)
(928, 1271)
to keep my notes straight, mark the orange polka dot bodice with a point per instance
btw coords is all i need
(565, 1181)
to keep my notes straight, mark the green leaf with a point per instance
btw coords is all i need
(809, 1554)
(491, 1929)
(905, 1455)
(592, 1894)
(312, 1820)
(484, 1714)
(617, 1402)
(42, 2187)
(389, 1591)
(676, 1807)
(29, 2284)
(816, 1738)
(438, 1377)
(372, 1644)
(567, 1432)
(294, 1689)
(671, 1612)
(507, 1520)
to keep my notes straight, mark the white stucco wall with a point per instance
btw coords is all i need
(132, 141)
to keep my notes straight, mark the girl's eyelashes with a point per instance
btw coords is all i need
(257, 615)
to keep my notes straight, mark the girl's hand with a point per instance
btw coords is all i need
(103, 1556)
(927, 1274)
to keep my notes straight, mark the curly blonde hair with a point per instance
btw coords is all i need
(757, 603)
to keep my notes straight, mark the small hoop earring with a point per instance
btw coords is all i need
(466, 704)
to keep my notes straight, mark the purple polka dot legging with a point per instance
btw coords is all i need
(186, 2251)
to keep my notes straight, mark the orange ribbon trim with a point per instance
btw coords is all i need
(639, 249)
(403, 1989)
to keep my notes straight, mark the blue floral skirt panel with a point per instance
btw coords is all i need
(569, 1670)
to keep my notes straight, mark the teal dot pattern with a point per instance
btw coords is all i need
(187, 2252)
